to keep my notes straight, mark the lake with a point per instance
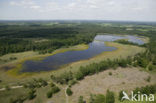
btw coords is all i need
(56, 61)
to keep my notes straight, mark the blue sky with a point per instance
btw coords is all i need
(133, 10)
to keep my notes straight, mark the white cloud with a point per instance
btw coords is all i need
(25, 4)
(71, 5)
(91, 9)
(111, 3)
(93, 6)
(13, 3)
(35, 7)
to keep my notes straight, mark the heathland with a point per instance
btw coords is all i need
(128, 67)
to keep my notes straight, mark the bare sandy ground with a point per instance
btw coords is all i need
(121, 79)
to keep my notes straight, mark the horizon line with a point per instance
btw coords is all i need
(74, 20)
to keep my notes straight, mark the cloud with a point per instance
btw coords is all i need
(111, 3)
(25, 4)
(106, 6)
(35, 7)
(13, 3)
(90, 9)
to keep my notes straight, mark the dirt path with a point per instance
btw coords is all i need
(65, 89)
(13, 87)
(18, 86)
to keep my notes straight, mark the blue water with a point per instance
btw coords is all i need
(130, 38)
(55, 61)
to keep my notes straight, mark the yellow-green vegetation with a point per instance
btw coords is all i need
(5, 59)
(145, 39)
(121, 40)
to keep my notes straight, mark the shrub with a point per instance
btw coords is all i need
(20, 99)
(63, 78)
(49, 94)
(52, 84)
(80, 100)
(12, 100)
(30, 85)
(44, 83)
(7, 87)
(40, 82)
(79, 75)
(151, 67)
(31, 94)
(110, 97)
(110, 73)
(146, 90)
(123, 82)
(143, 62)
(120, 95)
(13, 58)
(72, 82)
(69, 92)
(55, 89)
(148, 79)
(99, 99)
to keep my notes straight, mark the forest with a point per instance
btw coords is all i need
(19, 39)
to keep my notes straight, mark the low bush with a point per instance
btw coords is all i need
(148, 79)
(80, 100)
(69, 92)
(53, 90)
(120, 95)
(7, 87)
(110, 73)
(110, 97)
(49, 94)
(52, 84)
(31, 94)
(99, 98)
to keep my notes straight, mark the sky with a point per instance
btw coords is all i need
(121, 10)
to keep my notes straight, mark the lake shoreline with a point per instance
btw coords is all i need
(58, 60)
(19, 63)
